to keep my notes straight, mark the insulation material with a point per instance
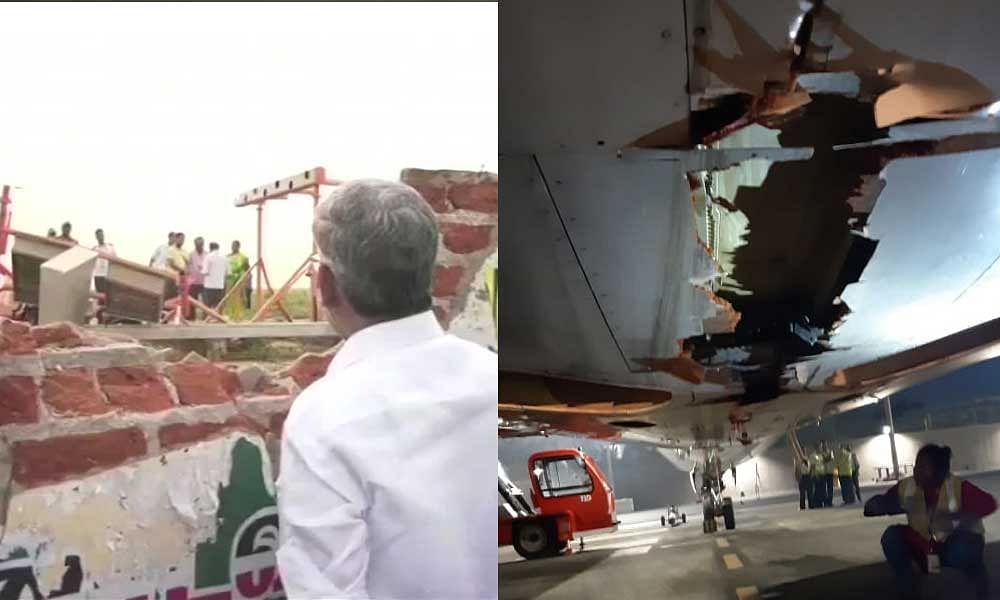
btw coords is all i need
(925, 89)
(183, 524)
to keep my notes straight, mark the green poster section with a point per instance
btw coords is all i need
(245, 494)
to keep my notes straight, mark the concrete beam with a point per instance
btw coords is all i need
(64, 290)
(212, 331)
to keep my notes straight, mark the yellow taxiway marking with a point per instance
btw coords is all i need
(722, 542)
(747, 593)
(732, 561)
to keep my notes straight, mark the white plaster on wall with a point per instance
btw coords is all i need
(475, 322)
(135, 521)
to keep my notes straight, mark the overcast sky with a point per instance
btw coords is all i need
(147, 118)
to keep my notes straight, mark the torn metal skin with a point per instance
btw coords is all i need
(806, 239)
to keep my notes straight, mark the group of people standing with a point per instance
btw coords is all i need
(208, 275)
(104, 249)
(815, 474)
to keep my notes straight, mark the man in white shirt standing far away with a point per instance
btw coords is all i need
(159, 258)
(386, 484)
(214, 269)
(101, 264)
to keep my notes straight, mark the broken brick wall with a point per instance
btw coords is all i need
(466, 204)
(72, 405)
(146, 473)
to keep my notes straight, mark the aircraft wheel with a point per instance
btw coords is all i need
(727, 514)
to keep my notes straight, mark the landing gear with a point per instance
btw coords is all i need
(712, 502)
(727, 513)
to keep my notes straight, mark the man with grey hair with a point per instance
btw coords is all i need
(386, 483)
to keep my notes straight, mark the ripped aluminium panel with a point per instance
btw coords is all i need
(925, 280)
(633, 226)
(575, 73)
(551, 323)
(714, 160)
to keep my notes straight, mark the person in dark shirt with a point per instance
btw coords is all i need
(65, 236)
(944, 522)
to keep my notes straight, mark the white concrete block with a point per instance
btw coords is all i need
(64, 291)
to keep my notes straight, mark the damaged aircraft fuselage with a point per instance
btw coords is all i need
(720, 215)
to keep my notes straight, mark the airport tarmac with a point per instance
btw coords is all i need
(776, 551)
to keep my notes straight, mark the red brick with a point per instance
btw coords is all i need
(277, 422)
(176, 435)
(55, 459)
(73, 392)
(463, 239)
(245, 423)
(446, 280)
(61, 335)
(436, 196)
(231, 381)
(139, 389)
(183, 434)
(308, 368)
(273, 390)
(15, 337)
(480, 197)
(18, 400)
(201, 383)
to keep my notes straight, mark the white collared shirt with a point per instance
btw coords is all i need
(159, 260)
(101, 264)
(386, 485)
(214, 269)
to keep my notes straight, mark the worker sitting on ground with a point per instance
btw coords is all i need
(944, 522)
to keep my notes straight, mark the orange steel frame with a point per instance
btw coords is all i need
(5, 213)
(309, 183)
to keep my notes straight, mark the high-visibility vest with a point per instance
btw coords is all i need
(845, 467)
(818, 466)
(493, 290)
(937, 525)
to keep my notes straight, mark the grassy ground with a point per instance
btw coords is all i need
(269, 351)
(297, 302)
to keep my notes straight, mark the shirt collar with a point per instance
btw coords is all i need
(386, 337)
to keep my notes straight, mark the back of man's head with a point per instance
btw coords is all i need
(380, 239)
(213, 246)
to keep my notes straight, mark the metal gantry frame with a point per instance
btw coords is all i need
(5, 213)
(307, 183)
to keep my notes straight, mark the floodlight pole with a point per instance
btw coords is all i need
(887, 409)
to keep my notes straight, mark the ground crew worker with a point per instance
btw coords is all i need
(856, 472)
(804, 479)
(845, 471)
(827, 474)
(944, 522)
(818, 476)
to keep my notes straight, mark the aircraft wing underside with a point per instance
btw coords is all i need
(721, 220)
